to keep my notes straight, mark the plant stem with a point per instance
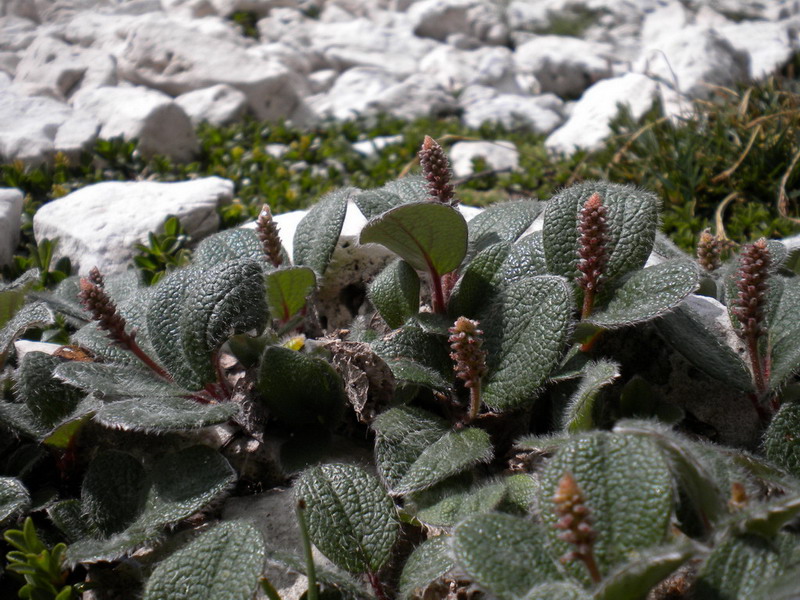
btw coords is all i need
(474, 400)
(377, 586)
(588, 303)
(142, 356)
(591, 566)
(269, 589)
(439, 304)
(311, 571)
(758, 365)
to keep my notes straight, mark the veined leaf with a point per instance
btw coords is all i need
(372, 203)
(287, 290)
(526, 259)
(223, 562)
(784, 333)
(634, 579)
(526, 331)
(351, 519)
(767, 518)
(347, 587)
(578, 413)
(48, 399)
(502, 222)
(230, 244)
(12, 296)
(479, 282)
(408, 371)
(781, 441)
(558, 590)
(411, 342)
(452, 506)
(504, 554)
(116, 380)
(160, 415)
(395, 293)
(631, 218)
(14, 498)
(429, 561)
(32, 315)
(431, 237)
(113, 491)
(647, 294)
(318, 233)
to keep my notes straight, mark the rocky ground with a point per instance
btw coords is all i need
(73, 71)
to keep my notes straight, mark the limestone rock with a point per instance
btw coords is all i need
(417, 96)
(539, 114)
(10, 219)
(769, 45)
(563, 65)
(352, 93)
(34, 129)
(218, 105)
(587, 125)
(439, 19)
(16, 33)
(499, 155)
(456, 69)
(160, 124)
(99, 225)
(63, 68)
(372, 146)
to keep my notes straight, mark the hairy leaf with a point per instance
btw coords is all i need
(115, 380)
(526, 332)
(648, 294)
(784, 335)
(413, 343)
(14, 498)
(12, 296)
(318, 233)
(578, 413)
(767, 518)
(223, 562)
(298, 388)
(163, 414)
(351, 519)
(395, 293)
(503, 222)
(634, 579)
(113, 491)
(632, 219)
(479, 282)
(558, 590)
(504, 554)
(526, 259)
(372, 203)
(49, 399)
(430, 237)
(287, 290)
(409, 371)
(344, 584)
(36, 314)
(602, 464)
(194, 311)
(700, 330)
(230, 244)
(454, 452)
(429, 561)
(68, 516)
(781, 441)
(451, 507)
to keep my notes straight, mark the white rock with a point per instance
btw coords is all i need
(540, 114)
(563, 65)
(321, 81)
(218, 105)
(8, 63)
(499, 155)
(276, 150)
(455, 69)
(587, 126)
(10, 220)
(189, 9)
(693, 60)
(22, 347)
(99, 225)
(373, 146)
(160, 125)
(16, 33)
(417, 96)
(33, 130)
(770, 45)
(261, 8)
(177, 60)
(64, 68)
(439, 19)
(353, 91)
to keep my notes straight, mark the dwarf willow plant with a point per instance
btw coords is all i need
(493, 370)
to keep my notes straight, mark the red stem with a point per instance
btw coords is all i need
(142, 356)
(377, 587)
(758, 365)
(439, 305)
(591, 566)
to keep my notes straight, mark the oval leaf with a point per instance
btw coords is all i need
(429, 561)
(163, 414)
(14, 498)
(430, 237)
(113, 492)
(395, 293)
(351, 519)
(287, 290)
(578, 413)
(318, 232)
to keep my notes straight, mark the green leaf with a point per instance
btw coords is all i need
(409, 371)
(738, 568)
(578, 412)
(180, 484)
(631, 218)
(14, 498)
(159, 415)
(351, 519)
(452, 453)
(782, 440)
(700, 330)
(648, 294)
(504, 554)
(372, 203)
(230, 244)
(526, 259)
(113, 491)
(287, 290)
(12, 296)
(559, 590)
(63, 434)
(48, 399)
(784, 334)
(602, 464)
(345, 585)
(395, 293)
(401, 435)
(300, 389)
(68, 517)
(430, 237)
(194, 311)
(767, 518)
(412, 343)
(503, 222)
(318, 233)
(36, 314)
(526, 333)
(224, 562)
(478, 283)
(635, 579)
(115, 380)
(429, 561)
(450, 507)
